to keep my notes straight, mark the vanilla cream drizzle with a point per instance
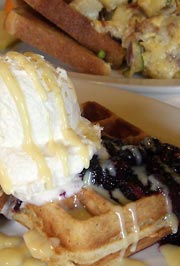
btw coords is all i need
(123, 233)
(13, 251)
(68, 133)
(170, 220)
(6, 182)
(54, 148)
(49, 77)
(171, 217)
(132, 209)
(32, 63)
(30, 69)
(29, 146)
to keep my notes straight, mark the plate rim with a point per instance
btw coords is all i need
(141, 85)
(154, 116)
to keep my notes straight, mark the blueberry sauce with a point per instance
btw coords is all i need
(138, 171)
(17, 205)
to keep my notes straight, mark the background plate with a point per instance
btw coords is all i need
(156, 118)
(137, 83)
(167, 91)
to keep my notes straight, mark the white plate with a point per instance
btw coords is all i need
(137, 84)
(165, 90)
(157, 118)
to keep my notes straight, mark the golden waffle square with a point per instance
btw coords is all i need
(107, 232)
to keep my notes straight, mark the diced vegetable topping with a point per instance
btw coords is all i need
(101, 54)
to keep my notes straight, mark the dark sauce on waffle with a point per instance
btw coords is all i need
(137, 171)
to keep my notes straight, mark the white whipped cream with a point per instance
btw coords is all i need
(19, 172)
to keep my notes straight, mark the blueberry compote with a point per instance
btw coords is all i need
(139, 170)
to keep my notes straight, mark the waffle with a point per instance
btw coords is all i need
(90, 230)
(3, 198)
(112, 125)
(108, 231)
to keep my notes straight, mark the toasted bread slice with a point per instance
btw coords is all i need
(30, 27)
(80, 28)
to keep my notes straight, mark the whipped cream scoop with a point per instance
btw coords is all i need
(44, 141)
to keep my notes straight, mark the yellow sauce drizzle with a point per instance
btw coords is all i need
(54, 148)
(132, 209)
(30, 69)
(76, 141)
(47, 75)
(123, 232)
(60, 151)
(88, 131)
(38, 245)
(6, 182)
(29, 146)
(50, 79)
(171, 217)
(14, 252)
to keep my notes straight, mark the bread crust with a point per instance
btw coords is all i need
(30, 27)
(80, 28)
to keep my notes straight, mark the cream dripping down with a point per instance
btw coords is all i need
(44, 141)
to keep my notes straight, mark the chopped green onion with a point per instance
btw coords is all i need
(101, 54)
(168, 2)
